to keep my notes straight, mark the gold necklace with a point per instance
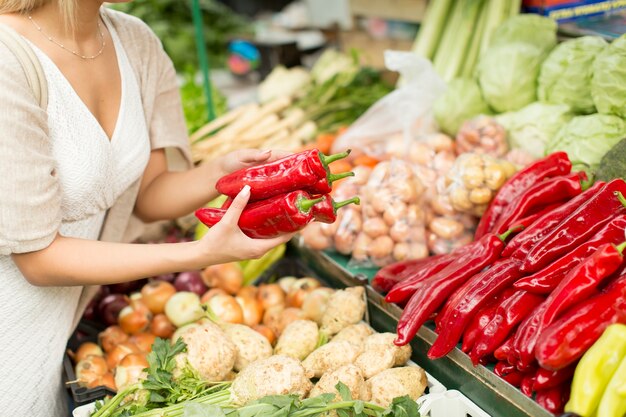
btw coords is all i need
(54, 41)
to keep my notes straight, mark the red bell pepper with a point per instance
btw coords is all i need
(568, 338)
(552, 165)
(509, 313)
(269, 218)
(481, 320)
(307, 170)
(546, 379)
(509, 373)
(539, 196)
(578, 227)
(435, 290)
(388, 276)
(402, 291)
(326, 210)
(546, 280)
(578, 285)
(519, 246)
(553, 399)
(468, 299)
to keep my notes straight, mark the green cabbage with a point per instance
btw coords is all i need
(532, 127)
(529, 28)
(608, 84)
(565, 76)
(508, 74)
(586, 139)
(461, 101)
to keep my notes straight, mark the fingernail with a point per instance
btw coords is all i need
(245, 191)
(266, 152)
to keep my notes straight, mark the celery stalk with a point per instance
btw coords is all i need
(446, 46)
(474, 49)
(514, 7)
(498, 11)
(432, 27)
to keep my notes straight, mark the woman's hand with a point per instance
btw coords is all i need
(244, 158)
(225, 242)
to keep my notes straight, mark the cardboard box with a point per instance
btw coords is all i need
(568, 10)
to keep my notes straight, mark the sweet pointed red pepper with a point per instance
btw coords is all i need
(553, 399)
(509, 373)
(552, 165)
(388, 276)
(546, 280)
(468, 299)
(578, 285)
(307, 169)
(578, 227)
(539, 196)
(546, 379)
(326, 210)
(269, 218)
(325, 185)
(433, 291)
(519, 246)
(568, 338)
(402, 291)
(481, 320)
(526, 386)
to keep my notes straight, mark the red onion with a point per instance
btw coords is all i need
(190, 281)
(165, 277)
(127, 287)
(110, 307)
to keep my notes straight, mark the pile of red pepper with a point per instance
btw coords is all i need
(285, 195)
(536, 303)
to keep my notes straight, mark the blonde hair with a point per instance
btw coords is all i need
(67, 8)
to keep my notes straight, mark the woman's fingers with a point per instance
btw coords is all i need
(239, 203)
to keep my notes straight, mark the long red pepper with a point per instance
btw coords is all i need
(402, 291)
(526, 386)
(553, 399)
(509, 373)
(481, 320)
(568, 338)
(552, 165)
(388, 276)
(269, 218)
(510, 312)
(546, 280)
(578, 285)
(307, 169)
(326, 210)
(468, 299)
(539, 196)
(521, 243)
(433, 291)
(503, 352)
(576, 228)
(546, 379)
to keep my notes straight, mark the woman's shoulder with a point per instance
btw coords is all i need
(10, 67)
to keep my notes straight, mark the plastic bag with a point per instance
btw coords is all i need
(402, 114)
(482, 134)
(393, 226)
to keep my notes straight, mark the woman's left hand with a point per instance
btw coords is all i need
(244, 158)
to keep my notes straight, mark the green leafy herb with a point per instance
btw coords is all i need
(344, 391)
(404, 407)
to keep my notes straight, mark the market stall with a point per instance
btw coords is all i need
(458, 250)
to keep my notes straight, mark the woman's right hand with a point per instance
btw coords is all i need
(225, 242)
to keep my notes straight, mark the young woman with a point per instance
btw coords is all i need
(71, 175)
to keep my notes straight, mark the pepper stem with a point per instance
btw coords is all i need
(334, 177)
(306, 204)
(621, 247)
(587, 183)
(504, 236)
(327, 159)
(340, 204)
(620, 197)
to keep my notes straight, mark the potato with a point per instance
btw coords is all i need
(375, 227)
(355, 333)
(399, 232)
(394, 214)
(401, 251)
(381, 247)
(445, 227)
(361, 247)
(329, 357)
(397, 382)
(495, 176)
(277, 375)
(481, 195)
(251, 345)
(315, 238)
(345, 307)
(349, 375)
(344, 241)
(298, 339)
(473, 177)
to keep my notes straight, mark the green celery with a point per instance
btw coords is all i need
(474, 49)
(432, 28)
(498, 13)
(448, 40)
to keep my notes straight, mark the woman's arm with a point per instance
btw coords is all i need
(167, 195)
(69, 261)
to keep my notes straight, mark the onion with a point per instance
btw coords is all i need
(144, 341)
(315, 303)
(271, 295)
(248, 291)
(130, 370)
(135, 318)
(228, 277)
(126, 287)
(190, 281)
(155, 294)
(211, 293)
(226, 308)
(106, 380)
(271, 318)
(87, 349)
(265, 331)
(252, 310)
(111, 337)
(286, 283)
(165, 277)
(162, 327)
(110, 307)
(299, 290)
(119, 352)
(183, 307)
(90, 369)
(91, 311)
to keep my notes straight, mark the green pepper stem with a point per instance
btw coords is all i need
(340, 204)
(504, 236)
(306, 204)
(620, 197)
(327, 159)
(586, 184)
(621, 247)
(334, 177)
